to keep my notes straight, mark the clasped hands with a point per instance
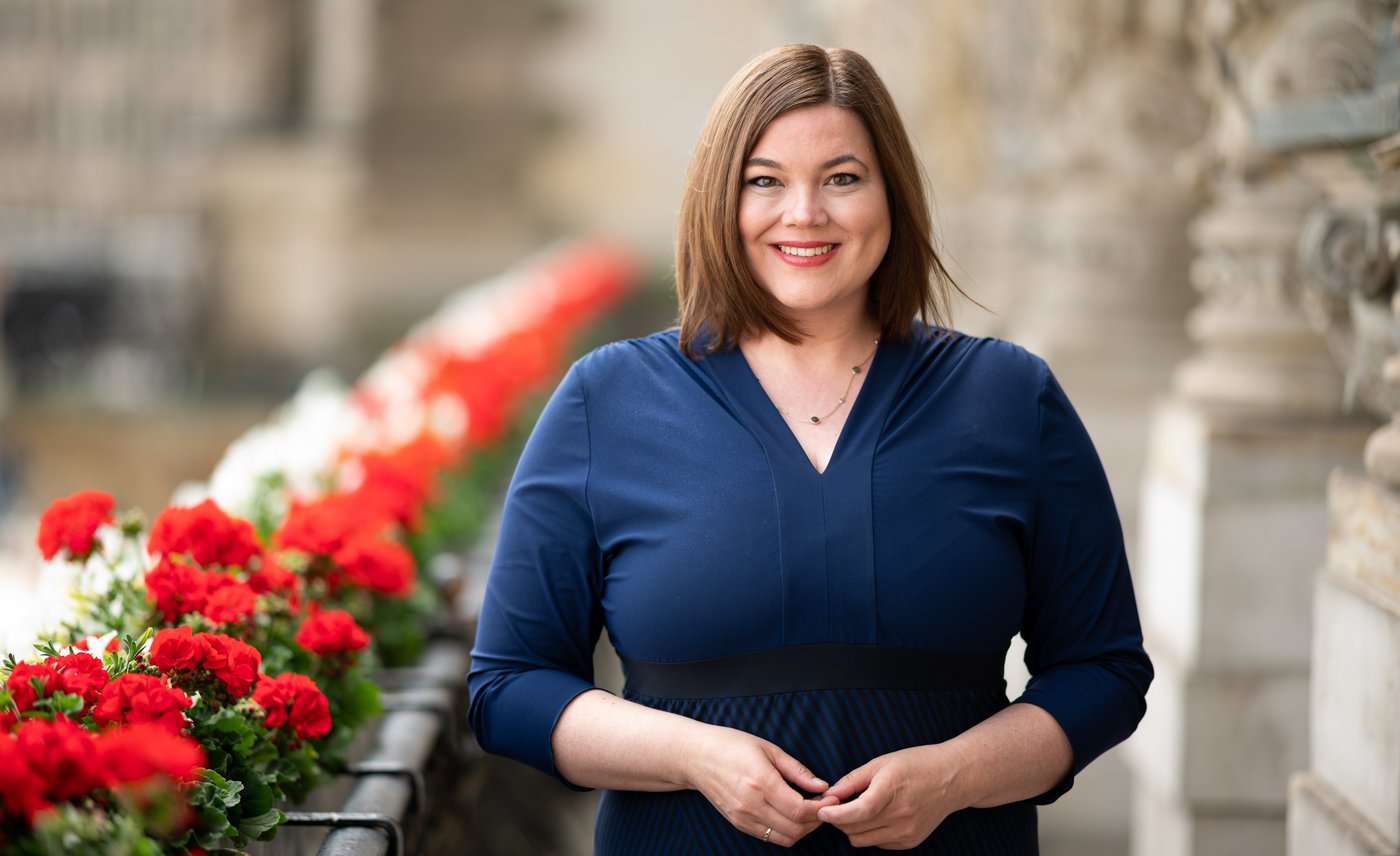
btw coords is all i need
(894, 801)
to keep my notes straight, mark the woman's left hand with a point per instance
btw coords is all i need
(906, 794)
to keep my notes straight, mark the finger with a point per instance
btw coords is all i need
(852, 783)
(796, 772)
(864, 808)
(793, 806)
(782, 833)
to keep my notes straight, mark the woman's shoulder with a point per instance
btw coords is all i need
(627, 354)
(984, 358)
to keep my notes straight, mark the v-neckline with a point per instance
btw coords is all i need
(742, 385)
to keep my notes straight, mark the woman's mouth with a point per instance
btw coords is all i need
(805, 251)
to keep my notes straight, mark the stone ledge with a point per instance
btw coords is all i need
(1321, 821)
(1355, 730)
(1364, 537)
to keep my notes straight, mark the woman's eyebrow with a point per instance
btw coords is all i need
(836, 161)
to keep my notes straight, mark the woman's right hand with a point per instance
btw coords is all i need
(754, 784)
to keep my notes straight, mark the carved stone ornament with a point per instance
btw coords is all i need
(1349, 259)
(1347, 253)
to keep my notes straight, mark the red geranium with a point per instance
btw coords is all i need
(71, 523)
(175, 649)
(21, 686)
(80, 675)
(176, 589)
(377, 564)
(325, 525)
(331, 631)
(19, 786)
(135, 698)
(138, 752)
(399, 483)
(232, 661)
(59, 754)
(204, 533)
(229, 601)
(273, 576)
(294, 701)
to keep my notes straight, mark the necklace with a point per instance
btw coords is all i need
(817, 420)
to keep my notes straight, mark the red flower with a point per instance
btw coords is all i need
(137, 752)
(325, 525)
(21, 687)
(331, 631)
(59, 754)
(71, 523)
(134, 698)
(81, 675)
(204, 533)
(229, 600)
(399, 483)
(175, 649)
(232, 661)
(294, 701)
(176, 589)
(377, 564)
(273, 576)
(19, 786)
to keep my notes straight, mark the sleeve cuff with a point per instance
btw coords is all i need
(516, 716)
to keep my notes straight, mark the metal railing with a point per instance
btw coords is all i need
(384, 803)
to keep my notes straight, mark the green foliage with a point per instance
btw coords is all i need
(71, 830)
(242, 783)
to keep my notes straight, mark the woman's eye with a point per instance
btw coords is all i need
(763, 181)
(844, 179)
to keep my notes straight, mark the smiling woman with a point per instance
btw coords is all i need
(813, 215)
(812, 611)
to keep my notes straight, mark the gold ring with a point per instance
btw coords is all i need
(767, 832)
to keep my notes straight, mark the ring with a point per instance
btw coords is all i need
(766, 833)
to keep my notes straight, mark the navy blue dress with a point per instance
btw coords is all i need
(841, 615)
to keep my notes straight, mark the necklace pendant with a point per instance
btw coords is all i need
(815, 420)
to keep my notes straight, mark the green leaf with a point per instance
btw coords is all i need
(260, 826)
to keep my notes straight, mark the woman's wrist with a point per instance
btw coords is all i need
(958, 776)
(693, 748)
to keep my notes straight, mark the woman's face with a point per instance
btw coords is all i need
(812, 212)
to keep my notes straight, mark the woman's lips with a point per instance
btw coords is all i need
(805, 253)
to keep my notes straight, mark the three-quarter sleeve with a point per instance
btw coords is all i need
(541, 618)
(1083, 636)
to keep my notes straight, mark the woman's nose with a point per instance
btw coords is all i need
(804, 208)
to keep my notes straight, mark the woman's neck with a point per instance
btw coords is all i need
(818, 350)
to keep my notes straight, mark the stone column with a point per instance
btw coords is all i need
(1233, 515)
(1348, 801)
(1107, 203)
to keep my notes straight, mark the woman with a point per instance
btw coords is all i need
(811, 525)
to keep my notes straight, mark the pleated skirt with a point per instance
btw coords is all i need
(832, 731)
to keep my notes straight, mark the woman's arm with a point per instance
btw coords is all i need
(606, 742)
(897, 800)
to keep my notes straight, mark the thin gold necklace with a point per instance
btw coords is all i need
(817, 420)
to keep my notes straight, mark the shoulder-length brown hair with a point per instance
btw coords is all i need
(717, 292)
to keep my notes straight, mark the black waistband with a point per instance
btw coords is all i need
(815, 667)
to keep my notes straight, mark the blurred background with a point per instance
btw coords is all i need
(200, 202)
